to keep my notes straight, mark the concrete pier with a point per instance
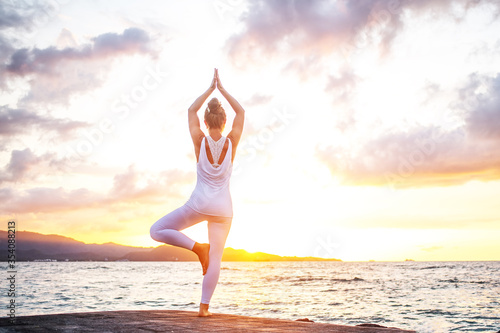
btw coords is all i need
(170, 321)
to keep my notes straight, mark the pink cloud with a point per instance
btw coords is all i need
(46, 61)
(25, 165)
(429, 156)
(21, 17)
(155, 189)
(56, 74)
(258, 99)
(305, 29)
(16, 123)
(483, 117)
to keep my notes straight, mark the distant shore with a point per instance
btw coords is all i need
(38, 247)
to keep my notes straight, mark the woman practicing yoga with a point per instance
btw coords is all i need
(211, 199)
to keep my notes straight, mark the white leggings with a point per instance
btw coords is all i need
(167, 230)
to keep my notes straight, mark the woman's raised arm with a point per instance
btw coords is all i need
(239, 119)
(193, 120)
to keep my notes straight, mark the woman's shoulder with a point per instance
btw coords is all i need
(234, 140)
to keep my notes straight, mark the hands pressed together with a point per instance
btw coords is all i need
(216, 81)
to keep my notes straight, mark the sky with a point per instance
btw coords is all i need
(372, 128)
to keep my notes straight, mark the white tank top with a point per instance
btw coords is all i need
(211, 195)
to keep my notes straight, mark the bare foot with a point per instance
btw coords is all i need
(202, 251)
(204, 311)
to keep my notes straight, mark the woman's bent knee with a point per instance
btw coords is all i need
(153, 233)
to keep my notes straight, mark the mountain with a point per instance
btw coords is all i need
(35, 246)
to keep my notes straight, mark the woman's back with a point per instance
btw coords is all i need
(211, 195)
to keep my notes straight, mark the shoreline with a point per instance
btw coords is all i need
(174, 321)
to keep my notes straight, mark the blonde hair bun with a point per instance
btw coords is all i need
(215, 116)
(215, 106)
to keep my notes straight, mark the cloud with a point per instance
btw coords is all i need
(315, 40)
(258, 99)
(42, 199)
(301, 28)
(318, 27)
(132, 40)
(305, 66)
(153, 189)
(66, 39)
(429, 155)
(423, 156)
(482, 96)
(20, 163)
(130, 188)
(16, 122)
(17, 19)
(11, 17)
(343, 85)
(55, 74)
(26, 165)
(46, 61)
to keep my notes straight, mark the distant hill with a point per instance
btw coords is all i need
(35, 246)
(231, 254)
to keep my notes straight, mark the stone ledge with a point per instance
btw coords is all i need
(170, 321)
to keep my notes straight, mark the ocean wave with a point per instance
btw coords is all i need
(435, 267)
(277, 278)
(309, 278)
(229, 269)
(329, 290)
(272, 302)
(183, 304)
(230, 283)
(455, 280)
(485, 317)
(437, 312)
(354, 279)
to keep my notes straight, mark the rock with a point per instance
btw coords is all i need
(305, 319)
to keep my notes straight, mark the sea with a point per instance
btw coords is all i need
(423, 296)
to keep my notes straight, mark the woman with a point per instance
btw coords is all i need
(211, 199)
